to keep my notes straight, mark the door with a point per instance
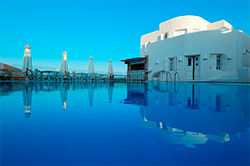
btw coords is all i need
(190, 68)
(196, 68)
(193, 68)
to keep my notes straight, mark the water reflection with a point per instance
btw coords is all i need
(186, 114)
(64, 93)
(27, 96)
(136, 94)
(91, 94)
(110, 91)
(63, 88)
(191, 114)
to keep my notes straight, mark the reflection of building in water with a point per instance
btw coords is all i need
(181, 137)
(136, 94)
(27, 96)
(64, 94)
(193, 95)
(190, 114)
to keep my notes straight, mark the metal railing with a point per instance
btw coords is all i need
(136, 76)
(55, 76)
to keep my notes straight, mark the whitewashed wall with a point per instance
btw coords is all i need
(231, 45)
(192, 35)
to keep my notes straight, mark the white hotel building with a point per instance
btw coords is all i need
(189, 48)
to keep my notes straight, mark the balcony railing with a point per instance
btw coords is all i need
(136, 75)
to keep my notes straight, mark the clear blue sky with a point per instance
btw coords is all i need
(104, 29)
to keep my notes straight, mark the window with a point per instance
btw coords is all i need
(180, 32)
(171, 64)
(164, 36)
(138, 66)
(218, 62)
(196, 61)
(189, 61)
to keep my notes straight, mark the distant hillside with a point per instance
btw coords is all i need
(8, 72)
(8, 67)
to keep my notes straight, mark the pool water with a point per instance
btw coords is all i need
(124, 124)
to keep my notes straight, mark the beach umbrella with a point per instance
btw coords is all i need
(64, 66)
(91, 65)
(27, 59)
(110, 69)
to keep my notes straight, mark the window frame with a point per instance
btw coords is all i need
(218, 62)
(171, 64)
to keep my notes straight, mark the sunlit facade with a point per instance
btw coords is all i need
(189, 48)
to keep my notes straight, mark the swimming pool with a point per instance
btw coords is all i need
(124, 124)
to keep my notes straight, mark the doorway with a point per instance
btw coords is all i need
(193, 68)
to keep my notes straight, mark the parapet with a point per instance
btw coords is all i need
(180, 26)
(219, 25)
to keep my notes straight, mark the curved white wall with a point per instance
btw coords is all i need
(187, 24)
(174, 27)
(180, 26)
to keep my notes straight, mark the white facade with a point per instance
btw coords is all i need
(189, 48)
(27, 59)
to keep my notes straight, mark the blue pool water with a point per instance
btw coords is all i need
(124, 124)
